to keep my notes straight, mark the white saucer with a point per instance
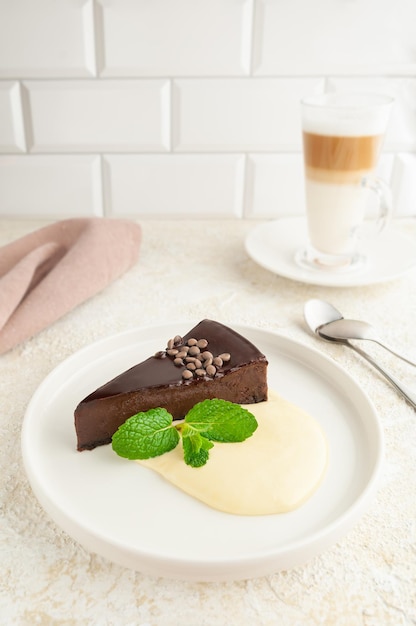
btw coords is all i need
(273, 246)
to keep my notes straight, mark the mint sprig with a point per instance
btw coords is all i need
(220, 420)
(152, 433)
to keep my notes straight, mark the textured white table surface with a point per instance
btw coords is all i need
(191, 270)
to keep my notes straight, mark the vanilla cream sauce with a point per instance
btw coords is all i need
(273, 471)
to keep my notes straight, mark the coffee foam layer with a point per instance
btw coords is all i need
(346, 114)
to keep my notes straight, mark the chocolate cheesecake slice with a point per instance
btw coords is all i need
(210, 361)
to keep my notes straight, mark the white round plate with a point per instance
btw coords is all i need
(273, 246)
(132, 516)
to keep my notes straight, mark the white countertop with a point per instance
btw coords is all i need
(188, 271)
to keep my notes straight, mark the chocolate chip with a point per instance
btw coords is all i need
(194, 350)
(211, 370)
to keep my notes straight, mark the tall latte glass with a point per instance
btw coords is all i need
(342, 137)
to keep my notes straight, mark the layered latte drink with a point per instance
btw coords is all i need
(342, 137)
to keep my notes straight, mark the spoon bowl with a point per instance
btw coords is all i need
(318, 313)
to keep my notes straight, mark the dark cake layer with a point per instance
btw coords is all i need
(159, 382)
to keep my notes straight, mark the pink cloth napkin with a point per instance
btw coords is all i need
(50, 271)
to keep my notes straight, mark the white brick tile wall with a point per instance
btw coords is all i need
(182, 38)
(50, 186)
(45, 38)
(188, 108)
(12, 135)
(334, 37)
(239, 114)
(175, 186)
(86, 116)
(274, 185)
(403, 182)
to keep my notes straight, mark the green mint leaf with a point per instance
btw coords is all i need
(220, 420)
(146, 435)
(195, 447)
(152, 433)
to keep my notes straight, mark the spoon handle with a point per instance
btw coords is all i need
(408, 394)
(401, 356)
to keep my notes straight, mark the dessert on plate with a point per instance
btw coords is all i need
(210, 361)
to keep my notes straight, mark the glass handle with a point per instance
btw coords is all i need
(384, 197)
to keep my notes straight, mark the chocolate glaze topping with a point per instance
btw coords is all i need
(160, 370)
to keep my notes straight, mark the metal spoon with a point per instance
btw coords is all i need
(317, 313)
(340, 328)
